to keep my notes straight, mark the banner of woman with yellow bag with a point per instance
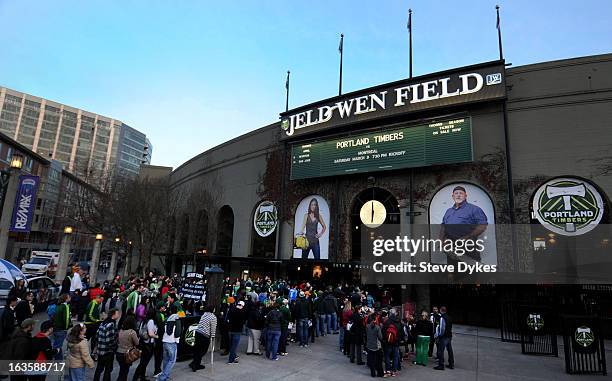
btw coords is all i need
(311, 229)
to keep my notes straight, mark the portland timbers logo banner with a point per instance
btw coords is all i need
(190, 335)
(265, 218)
(535, 322)
(584, 338)
(568, 206)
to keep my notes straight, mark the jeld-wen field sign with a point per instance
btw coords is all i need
(443, 142)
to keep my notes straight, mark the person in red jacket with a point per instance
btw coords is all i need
(42, 349)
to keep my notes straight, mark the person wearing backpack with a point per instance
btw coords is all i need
(147, 334)
(444, 336)
(51, 308)
(393, 334)
(171, 337)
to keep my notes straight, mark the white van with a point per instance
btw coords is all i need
(41, 263)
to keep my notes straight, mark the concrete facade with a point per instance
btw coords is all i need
(558, 117)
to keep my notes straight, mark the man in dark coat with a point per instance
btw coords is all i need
(21, 342)
(357, 334)
(8, 322)
(25, 308)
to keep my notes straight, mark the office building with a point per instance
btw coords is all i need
(80, 140)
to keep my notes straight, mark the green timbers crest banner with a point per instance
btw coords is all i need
(265, 218)
(535, 323)
(190, 335)
(568, 206)
(584, 339)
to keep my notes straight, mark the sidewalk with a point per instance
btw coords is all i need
(482, 357)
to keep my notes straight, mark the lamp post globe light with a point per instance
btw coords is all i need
(113, 265)
(17, 161)
(95, 259)
(64, 255)
(8, 191)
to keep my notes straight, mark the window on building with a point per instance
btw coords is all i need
(9, 154)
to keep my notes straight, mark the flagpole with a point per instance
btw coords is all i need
(287, 88)
(341, 48)
(499, 37)
(410, 34)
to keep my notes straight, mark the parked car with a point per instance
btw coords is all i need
(44, 288)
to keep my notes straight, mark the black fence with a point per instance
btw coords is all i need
(583, 341)
(510, 327)
(538, 333)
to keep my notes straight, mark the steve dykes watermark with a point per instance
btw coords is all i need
(456, 248)
(413, 246)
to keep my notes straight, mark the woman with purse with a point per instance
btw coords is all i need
(148, 335)
(127, 351)
(78, 353)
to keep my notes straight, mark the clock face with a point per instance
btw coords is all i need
(373, 214)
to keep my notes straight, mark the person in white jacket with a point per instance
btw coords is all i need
(172, 335)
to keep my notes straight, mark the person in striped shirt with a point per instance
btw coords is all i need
(107, 337)
(205, 332)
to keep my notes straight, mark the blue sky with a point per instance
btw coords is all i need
(193, 74)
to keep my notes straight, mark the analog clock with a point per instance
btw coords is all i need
(373, 214)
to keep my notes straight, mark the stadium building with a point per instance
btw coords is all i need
(529, 145)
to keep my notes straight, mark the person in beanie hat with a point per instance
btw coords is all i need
(21, 341)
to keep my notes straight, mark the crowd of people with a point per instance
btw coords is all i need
(276, 313)
(138, 320)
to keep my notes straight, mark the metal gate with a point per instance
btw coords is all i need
(538, 334)
(510, 327)
(583, 343)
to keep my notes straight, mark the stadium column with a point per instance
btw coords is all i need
(113, 266)
(405, 231)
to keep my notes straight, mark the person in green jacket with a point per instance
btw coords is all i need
(61, 324)
(133, 298)
(160, 321)
(92, 320)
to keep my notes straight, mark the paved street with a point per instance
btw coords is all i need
(479, 355)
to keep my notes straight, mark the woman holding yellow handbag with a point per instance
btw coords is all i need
(308, 239)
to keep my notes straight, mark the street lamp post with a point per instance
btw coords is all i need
(113, 265)
(64, 255)
(95, 259)
(12, 178)
(128, 260)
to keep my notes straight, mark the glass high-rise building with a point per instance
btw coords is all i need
(82, 141)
